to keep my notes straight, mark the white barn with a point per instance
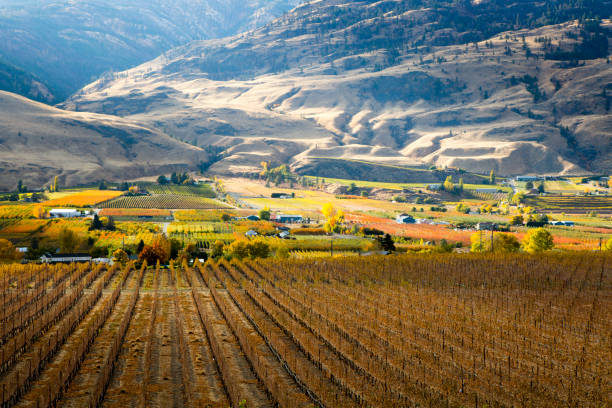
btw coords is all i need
(64, 213)
(65, 258)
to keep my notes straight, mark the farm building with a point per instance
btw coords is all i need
(107, 261)
(487, 190)
(64, 213)
(425, 221)
(283, 196)
(486, 226)
(405, 219)
(528, 178)
(562, 223)
(65, 258)
(251, 233)
(249, 218)
(288, 219)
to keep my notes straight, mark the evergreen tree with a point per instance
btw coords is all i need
(492, 177)
(110, 225)
(387, 243)
(140, 246)
(96, 224)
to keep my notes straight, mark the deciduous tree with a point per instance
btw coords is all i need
(448, 185)
(238, 249)
(264, 214)
(161, 245)
(258, 249)
(8, 253)
(120, 257)
(333, 216)
(538, 240)
(69, 240)
(217, 249)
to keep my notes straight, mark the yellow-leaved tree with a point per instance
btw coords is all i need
(334, 217)
(538, 240)
(8, 252)
(39, 212)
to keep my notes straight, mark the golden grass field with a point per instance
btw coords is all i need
(83, 198)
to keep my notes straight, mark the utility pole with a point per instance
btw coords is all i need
(600, 244)
(492, 229)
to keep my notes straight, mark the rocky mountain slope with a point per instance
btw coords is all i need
(38, 142)
(476, 85)
(67, 44)
(15, 80)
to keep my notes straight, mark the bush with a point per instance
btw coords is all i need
(608, 245)
(517, 220)
(8, 252)
(282, 252)
(120, 257)
(501, 242)
(308, 231)
(371, 231)
(238, 249)
(217, 249)
(462, 208)
(258, 249)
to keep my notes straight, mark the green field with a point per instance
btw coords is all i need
(203, 189)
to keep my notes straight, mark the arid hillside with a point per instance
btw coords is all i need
(389, 82)
(38, 142)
